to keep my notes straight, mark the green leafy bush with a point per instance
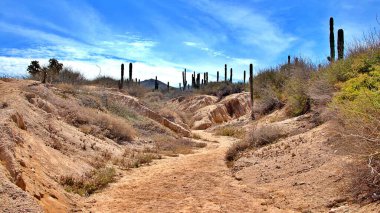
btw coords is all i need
(358, 104)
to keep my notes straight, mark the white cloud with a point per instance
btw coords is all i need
(249, 26)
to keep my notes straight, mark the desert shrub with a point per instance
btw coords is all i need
(266, 104)
(286, 83)
(236, 149)
(136, 158)
(68, 76)
(358, 104)
(137, 90)
(172, 146)
(269, 83)
(296, 87)
(105, 81)
(67, 88)
(90, 182)
(230, 131)
(101, 124)
(365, 185)
(91, 101)
(298, 101)
(357, 107)
(221, 89)
(153, 97)
(120, 109)
(258, 137)
(263, 135)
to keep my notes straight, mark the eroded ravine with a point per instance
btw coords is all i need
(200, 182)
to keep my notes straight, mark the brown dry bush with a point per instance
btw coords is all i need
(153, 97)
(172, 146)
(69, 76)
(105, 82)
(257, 138)
(137, 90)
(109, 126)
(231, 131)
(365, 186)
(284, 84)
(90, 182)
(136, 158)
(221, 89)
(94, 122)
(67, 88)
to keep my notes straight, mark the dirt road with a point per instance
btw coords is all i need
(199, 182)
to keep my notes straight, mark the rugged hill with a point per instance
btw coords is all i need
(52, 137)
(150, 83)
(62, 145)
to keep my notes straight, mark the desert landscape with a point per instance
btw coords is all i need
(299, 136)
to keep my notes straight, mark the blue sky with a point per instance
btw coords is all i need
(162, 37)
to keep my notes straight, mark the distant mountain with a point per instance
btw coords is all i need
(150, 84)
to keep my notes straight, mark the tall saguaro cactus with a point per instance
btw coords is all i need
(217, 76)
(251, 83)
(193, 80)
(184, 80)
(121, 82)
(225, 73)
(156, 84)
(231, 75)
(244, 78)
(340, 44)
(198, 80)
(130, 72)
(288, 59)
(332, 41)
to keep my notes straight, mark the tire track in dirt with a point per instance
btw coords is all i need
(199, 182)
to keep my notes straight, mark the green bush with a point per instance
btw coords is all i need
(298, 99)
(358, 104)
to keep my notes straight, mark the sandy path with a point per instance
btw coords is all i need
(199, 182)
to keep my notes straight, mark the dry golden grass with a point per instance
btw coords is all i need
(172, 146)
(231, 131)
(136, 158)
(258, 137)
(98, 123)
(90, 182)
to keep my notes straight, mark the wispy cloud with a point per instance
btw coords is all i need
(248, 26)
(162, 38)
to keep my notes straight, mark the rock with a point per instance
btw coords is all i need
(45, 106)
(231, 107)
(22, 163)
(20, 181)
(19, 120)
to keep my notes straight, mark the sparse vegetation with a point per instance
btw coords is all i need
(136, 158)
(231, 132)
(90, 182)
(260, 136)
(171, 146)
(221, 89)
